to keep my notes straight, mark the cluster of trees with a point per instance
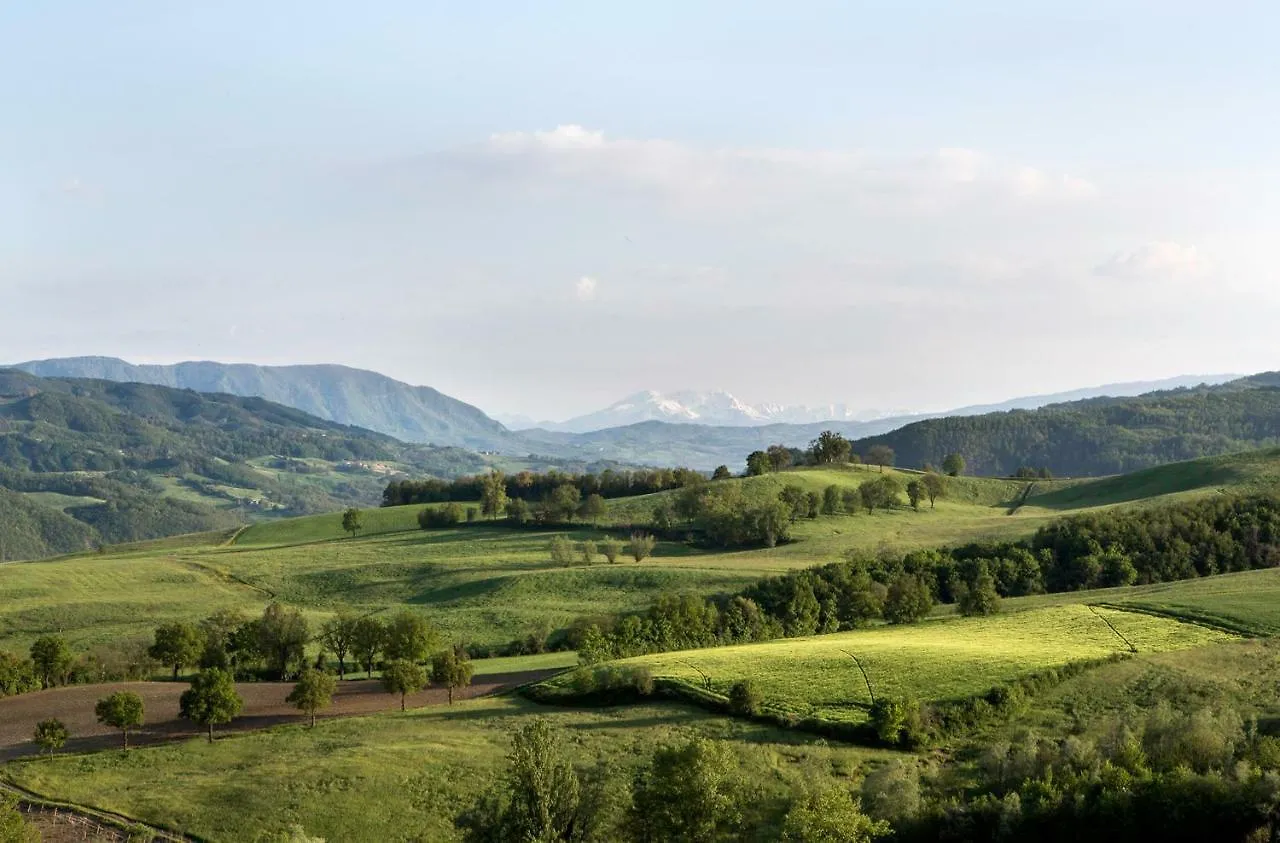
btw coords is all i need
(726, 515)
(587, 552)
(1165, 774)
(534, 486)
(560, 505)
(690, 791)
(829, 448)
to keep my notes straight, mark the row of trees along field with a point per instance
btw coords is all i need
(271, 646)
(1183, 541)
(534, 486)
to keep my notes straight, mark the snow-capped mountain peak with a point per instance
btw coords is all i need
(713, 407)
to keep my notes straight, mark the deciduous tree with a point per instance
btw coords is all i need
(831, 815)
(721, 473)
(211, 700)
(611, 547)
(953, 464)
(688, 792)
(368, 637)
(493, 494)
(830, 447)
(51, 658)
(51, 734)
(831, 502)
(352, 521)
(313, 692)
(880, 455)
(122, 710)
(593, 508)
(282, 635)
(410, 637)
(452, 669)
(404, 677)
(934, 486)
(339, 634)
(758, 463)
(177, 644)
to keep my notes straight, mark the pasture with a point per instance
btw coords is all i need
(934, 660)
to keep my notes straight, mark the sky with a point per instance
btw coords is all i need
(542, 207)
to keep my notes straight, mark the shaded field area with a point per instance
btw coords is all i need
(936, 660)
(264, 705)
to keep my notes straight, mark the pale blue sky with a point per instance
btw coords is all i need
(886, 204)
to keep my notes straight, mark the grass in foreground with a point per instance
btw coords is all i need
(936, 660)
(395, 777)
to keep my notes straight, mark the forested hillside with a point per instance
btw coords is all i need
(1100, 435)
(88, 462)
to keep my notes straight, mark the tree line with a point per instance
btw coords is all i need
(535, 486)
(1182, 541)
(272, 646)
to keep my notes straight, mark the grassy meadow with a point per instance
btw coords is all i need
(397, 776)
(935, 660)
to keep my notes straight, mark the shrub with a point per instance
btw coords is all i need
(449, 515)
(561, 550)
(641, 546)
(611, 548)
(587, 549)
(908, 600)
(744, 698)
(898, 722)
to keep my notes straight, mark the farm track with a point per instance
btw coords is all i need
(264, 706)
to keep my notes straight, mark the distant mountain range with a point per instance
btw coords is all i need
(718, 408)
(334, 393)
(697, 429)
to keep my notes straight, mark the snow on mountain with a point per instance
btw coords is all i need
(715, 407)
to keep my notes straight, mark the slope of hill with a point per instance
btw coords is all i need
(335, 393)
(1101, 436)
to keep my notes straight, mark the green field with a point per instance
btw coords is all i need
(397, 776)
(489, 583)
(935, 660)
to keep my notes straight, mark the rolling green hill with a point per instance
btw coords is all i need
(490, 583)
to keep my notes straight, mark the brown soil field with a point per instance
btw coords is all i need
(264, 705)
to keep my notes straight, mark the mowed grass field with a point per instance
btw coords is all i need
(488, 583)
(934, 660)
(398, 776)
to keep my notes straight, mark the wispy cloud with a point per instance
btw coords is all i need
(586, 288)
(1153, 261)
(750, 177)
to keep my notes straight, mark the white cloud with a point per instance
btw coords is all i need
(1153, 261)
(586, 288)
(743, 177)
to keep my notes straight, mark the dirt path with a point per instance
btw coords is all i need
(264, 705)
